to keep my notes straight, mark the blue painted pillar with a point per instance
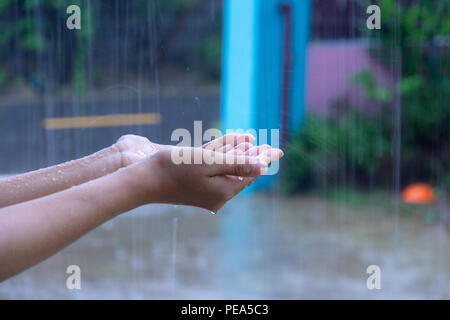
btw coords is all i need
(252, 83)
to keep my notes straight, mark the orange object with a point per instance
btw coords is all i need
(418, 193)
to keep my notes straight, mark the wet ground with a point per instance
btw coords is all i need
(256, 247)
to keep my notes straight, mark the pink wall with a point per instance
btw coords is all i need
(331, 65)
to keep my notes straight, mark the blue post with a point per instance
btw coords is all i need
(252, 82)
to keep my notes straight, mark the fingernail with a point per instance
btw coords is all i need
(251, 137)
(267, 154)
(280, 152)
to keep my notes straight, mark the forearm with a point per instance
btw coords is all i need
(49, 180)
(32, 231)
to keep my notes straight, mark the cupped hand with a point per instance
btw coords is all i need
(203, 185)
(133, 148)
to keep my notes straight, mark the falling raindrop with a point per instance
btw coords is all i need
(197, 102)
(174, 250)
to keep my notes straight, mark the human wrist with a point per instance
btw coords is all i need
(111, 158)
(140, 179)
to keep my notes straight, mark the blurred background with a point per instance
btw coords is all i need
(363, 116)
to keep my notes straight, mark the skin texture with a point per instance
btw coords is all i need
(126, 151)
(46, 210)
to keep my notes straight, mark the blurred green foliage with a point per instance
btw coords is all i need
(29, 32)
(123, 38)
(328, 151)
(175, 6)
(210, 49)
(357, 148)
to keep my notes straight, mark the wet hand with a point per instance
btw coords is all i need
(133, 148)
(207, 184)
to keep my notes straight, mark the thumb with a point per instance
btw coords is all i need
(255, 169)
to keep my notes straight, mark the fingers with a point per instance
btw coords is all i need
(236, 162)
(225, 148)
(233, 139)
(224, 172)
(244, 146)
(235, 165)
(256, 150)
(236, 152)
(271, 155)
(240, 149)
(214, 161)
